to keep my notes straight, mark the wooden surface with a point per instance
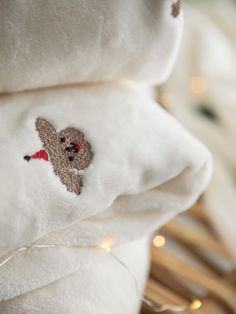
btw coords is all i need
(193, 264)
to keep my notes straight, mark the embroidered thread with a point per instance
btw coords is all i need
(41, 154)
(68, 152)
(176, 8)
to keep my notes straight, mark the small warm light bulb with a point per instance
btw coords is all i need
(166, 99)
(107, 244)
(196, 304)
(198, 85)
(159, 241)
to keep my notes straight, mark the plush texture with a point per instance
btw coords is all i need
(43, 44)
(92, 162)
(132, 187)
(131, 156)
(210, 115)
(76, 281)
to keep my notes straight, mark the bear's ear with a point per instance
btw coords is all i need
(44, 129)
(43, 124)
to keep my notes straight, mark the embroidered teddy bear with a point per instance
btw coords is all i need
(68, 152)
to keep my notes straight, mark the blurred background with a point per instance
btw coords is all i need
(194, 256)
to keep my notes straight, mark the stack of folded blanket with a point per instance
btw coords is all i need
(91, 165)
(201, 91)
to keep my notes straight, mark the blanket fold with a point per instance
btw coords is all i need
(98, 160)
(123, 158)
(47, 43)
(132, 185)
(79, 270)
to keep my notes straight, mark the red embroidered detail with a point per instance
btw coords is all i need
(41, 154)
(78, 146)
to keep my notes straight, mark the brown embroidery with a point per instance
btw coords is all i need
(176, 8)
(68, 153)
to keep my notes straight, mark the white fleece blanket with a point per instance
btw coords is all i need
(210, 114)
(89, 281)
(46, 43)
(133, 142)
(91, 162)
(132, 186)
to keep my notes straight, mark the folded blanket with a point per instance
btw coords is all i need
(87, 172)
(46, 43)
(100, 143)
(202, 92)
(131, 186)
(96, 283)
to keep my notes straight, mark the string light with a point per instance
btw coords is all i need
(165, 307)
(25, 248)
(159, 241)
(195, 305)
(166, 99)
(106, 245)
(198, 85)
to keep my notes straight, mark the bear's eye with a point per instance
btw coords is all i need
(62, 139)
(71, 158)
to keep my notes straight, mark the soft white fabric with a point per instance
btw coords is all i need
(146, 167)
(46, 43)
(133, 154)
(212, 56)
(90, 281)
(133, 172)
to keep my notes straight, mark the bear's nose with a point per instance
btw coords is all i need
(73, 148)
(69, 148)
